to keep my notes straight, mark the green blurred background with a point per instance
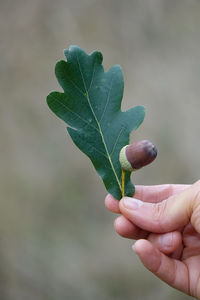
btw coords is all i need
(56, 238)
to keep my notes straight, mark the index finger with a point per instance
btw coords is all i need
(158, 193)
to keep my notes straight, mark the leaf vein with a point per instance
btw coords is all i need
(77, 115)
(80, 91)
(100, 152)
(107, 102)
(122, 129)
(92, 77)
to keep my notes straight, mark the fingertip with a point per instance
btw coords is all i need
(125, 228)
(129, 204)
(149, 255)
(107, 200)
(112, 204)
(140, 246)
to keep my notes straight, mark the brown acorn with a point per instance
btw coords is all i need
(137, 155)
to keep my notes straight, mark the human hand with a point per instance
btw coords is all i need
(166, 223)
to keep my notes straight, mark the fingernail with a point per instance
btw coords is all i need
(131, 203)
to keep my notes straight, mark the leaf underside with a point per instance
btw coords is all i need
(91, 106)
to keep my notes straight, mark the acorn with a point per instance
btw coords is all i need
(137, 155)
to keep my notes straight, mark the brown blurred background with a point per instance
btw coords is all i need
(56, 238)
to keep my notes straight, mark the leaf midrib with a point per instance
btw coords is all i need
(98, 124)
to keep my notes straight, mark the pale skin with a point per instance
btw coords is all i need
(166, 224)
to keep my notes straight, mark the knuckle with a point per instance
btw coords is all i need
(196, 189)
(197, 183)
(171, 189)
(195, 204)
(158, 215)
(195, 218)
(197, 198)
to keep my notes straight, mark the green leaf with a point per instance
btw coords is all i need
(91, 106)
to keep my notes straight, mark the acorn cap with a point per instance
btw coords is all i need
(137, 155)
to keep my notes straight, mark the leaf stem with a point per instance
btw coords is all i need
(123, 183)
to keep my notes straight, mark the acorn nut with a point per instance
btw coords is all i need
(137, 155)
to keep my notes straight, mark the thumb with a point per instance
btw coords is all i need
(168, 215)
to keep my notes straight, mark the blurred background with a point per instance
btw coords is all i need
(56, 238)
